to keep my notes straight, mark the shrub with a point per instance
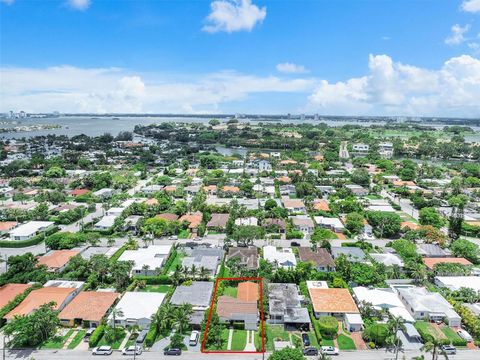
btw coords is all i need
(155, 280)
(328, 326)
(459, 342)
(376, 333)
(96, 336)
(151, 336)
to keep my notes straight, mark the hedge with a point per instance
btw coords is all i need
(155, 280)
(118, 253)
(30, 242)
(328, 326)
(151, 336)
(96, 336)
(15, 301)
(169, 261)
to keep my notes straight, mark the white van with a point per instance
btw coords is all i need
(465, 335)
(194, 338)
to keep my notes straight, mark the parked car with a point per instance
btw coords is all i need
(449, 349)
(141, 337)
(194, 338)
(173, 237)
(102, 350)
(172, 351)
(89, 333)
(329, 350)
(129, 350)
(305, 339)
(310, 351)
(294, 243)
(465, 335)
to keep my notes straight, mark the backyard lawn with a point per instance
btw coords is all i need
(77, 339)
(177, 261)
(451, 334)
(157, 288)
(425, 328)
(345, 342)
(57, 341)
(239, 340)
(230, 291)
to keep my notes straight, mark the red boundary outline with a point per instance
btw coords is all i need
(210, 315)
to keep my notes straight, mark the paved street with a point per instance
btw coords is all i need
(351, 355)
(76, 226)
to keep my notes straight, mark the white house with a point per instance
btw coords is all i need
(248, 221)
(457, 282)
(147, 260)
(105, 222)
(387, 259)
(284, 257)
(104, 193)
(333, 224)
(30, 229)
(137, 308)
(422, 303)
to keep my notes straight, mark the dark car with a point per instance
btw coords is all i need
(141, 337)
(305, 339)
(172, 351)
(310, 351)
(294, 243)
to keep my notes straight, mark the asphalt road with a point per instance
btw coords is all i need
(351, 355)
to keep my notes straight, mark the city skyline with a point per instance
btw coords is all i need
(342, 58)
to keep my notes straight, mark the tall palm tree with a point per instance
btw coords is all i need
(181, 317)
(394, 324)
(162, 319)
(116, 312)
(145, 268)
(432, 346)
(204, 273)
(193, 271)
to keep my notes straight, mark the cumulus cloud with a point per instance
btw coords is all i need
(72, 89)
(233, 15)
(397, 89)
(79, 4)
(472, 6)
(457, 34)
(291, 68)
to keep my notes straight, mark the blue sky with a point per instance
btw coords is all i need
(331, 57)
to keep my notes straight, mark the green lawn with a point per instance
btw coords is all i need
(345, 342)
(313, 339)
(157, 288)
(424, 327)
(77, 339)
(177, 261)
(239, 340)
(278, 331)
(115, 345)
(230, 291)
(184, 234)
(327, 342)
(450, 334)
(57, 342)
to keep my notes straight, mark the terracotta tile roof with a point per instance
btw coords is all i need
(319, 157)
(89, 305)
(321, 257)
(321, 205)
(151, 202)
(430, 262)
(194, 219)
(210, 188)
(8, 292)
(7, 225)
(247, 291)
(218, 220)
(170, 188)
(40, 297)
(227, 306)
(78, 192)
(167, 216)
(332, 301)
(234, 189)
(293, 203)
(284, 179)
(288, 162)
(403, 183)
(57, 259)
(410, 224)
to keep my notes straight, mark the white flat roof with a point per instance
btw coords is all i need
(457, 282)
(30, 228)
(139, 305)
(153, 256)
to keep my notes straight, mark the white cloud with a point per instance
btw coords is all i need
(72, 89)
(456, 37)
(79, 4)
(291, 68)
(8, 2)
(398, 89)
(233, 15)
(472, 6)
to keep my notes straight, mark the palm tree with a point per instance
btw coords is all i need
(394, 324)
(204, 273)
(162, 319)
(193, 271)
(181, 317)
(323, 356)
(432, 346)
(110, 241)
(145, 268)
(116, 312)
(176, 277)
(131, 244)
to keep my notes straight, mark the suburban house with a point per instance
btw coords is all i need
(198, 294)
(321, 205)
(247, 221)
(104, 193)
(146, 261)
(352, 253)
(30, 229)
(294, 205)
(167, 216)
(333, 224)
(7, 226)
(282, 257)
(432, 250)
(218, 222)
(320, 257)
(242, 308)
(57, 260)
(357, 190)
(382, 298)
(303, 224)
(285, 307)
(248, 257)
(387, 259)
(88, 308)
(274, 225)
(332, 302)
(431, 262)
(105, 223)
(457, 282)
(137, 308)
(207, 258)
(422, 303)
(194, 220)
(8, 292)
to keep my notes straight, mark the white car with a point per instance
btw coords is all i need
(102, 350)
(129, 350)
(465, 335)
(329, 350)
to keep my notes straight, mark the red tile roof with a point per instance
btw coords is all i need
(8, 292)
(89, 305)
